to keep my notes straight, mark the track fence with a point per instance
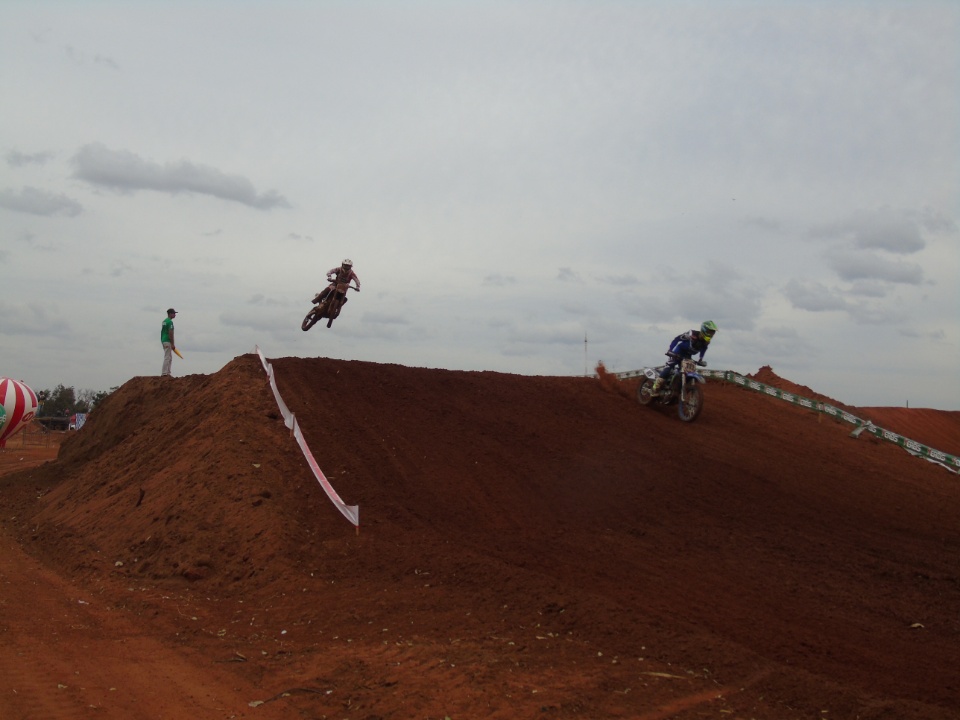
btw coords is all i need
(946, 460)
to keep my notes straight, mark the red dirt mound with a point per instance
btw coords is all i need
(767, 376)
(530, 547)
(938, 429)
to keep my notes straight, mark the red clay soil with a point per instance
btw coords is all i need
(935, 428)
(530, 547)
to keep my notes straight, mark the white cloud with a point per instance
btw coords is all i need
(872, 266)
(882, 230)
(32, 319)
(498, 280)
(125, 171)
(15, 158)
(33, 201)
(81, 58)
(813, 296)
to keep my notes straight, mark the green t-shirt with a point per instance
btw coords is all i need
(166, 329)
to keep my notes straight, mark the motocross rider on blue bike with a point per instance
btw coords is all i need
(684, 347)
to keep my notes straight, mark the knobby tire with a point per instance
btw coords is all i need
(313, 316)
(689, 408)
(645, 391)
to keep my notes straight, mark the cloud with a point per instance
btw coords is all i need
(529, 338)
(261, 299)
(381, 318)
(719, 293)
(125, 171)
(899, 236)
(932, 335)
(31, 319)
(870, 266)
(813, 297)
(260, 322)
(776, 342)
(565, 274)
(120, 267)
(16, 158)
(935, 221)
(30, 239)
(866, 313)
(39, 202)
(499, 280)
(870, 288)
(762, 223)
(882, 229)
(80, 58)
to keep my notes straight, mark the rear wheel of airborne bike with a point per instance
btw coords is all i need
(645, 391)
(691, 403)
(312, 318)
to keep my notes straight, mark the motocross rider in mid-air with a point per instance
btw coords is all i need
(684, 347)
(344, 272)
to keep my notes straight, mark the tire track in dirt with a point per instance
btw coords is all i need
(37, 679)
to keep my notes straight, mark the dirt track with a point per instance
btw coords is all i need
(530, 547)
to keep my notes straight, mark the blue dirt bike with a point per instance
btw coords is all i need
(682, 386)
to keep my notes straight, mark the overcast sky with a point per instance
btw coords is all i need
(509, 178)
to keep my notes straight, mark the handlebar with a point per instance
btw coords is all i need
(701, 363)
(333, 281)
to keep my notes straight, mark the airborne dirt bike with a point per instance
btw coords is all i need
(681, 386)
(331, 305)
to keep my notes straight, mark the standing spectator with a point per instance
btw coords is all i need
(168, 342)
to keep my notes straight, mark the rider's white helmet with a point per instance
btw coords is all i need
(347, 264)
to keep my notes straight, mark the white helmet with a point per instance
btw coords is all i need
(347, 264)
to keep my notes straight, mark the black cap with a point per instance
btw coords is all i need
(171, 310)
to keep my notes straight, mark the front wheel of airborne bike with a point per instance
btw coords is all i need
(312, 318)
(691, 403)
(645, 391)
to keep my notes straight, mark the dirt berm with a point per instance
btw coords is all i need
(529, 547)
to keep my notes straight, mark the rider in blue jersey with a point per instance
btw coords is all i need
(684, 347)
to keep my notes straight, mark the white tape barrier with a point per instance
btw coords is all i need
(946, 460)
(350, 512)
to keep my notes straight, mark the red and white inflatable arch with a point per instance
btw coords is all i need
(18, 405)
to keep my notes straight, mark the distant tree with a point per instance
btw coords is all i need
(102, 395)
(65, 401)
(59, 402)
(91, 398)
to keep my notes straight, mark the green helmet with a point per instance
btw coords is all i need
(709, 329)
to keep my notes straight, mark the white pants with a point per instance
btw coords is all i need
(167, 359)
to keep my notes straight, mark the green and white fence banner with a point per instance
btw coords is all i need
(950, 462)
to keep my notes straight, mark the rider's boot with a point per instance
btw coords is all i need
(657, 384)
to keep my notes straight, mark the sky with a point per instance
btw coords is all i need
(524, 187)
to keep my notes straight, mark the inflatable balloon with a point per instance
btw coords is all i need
(18, 405)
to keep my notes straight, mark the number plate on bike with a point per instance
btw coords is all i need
(688, 366)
